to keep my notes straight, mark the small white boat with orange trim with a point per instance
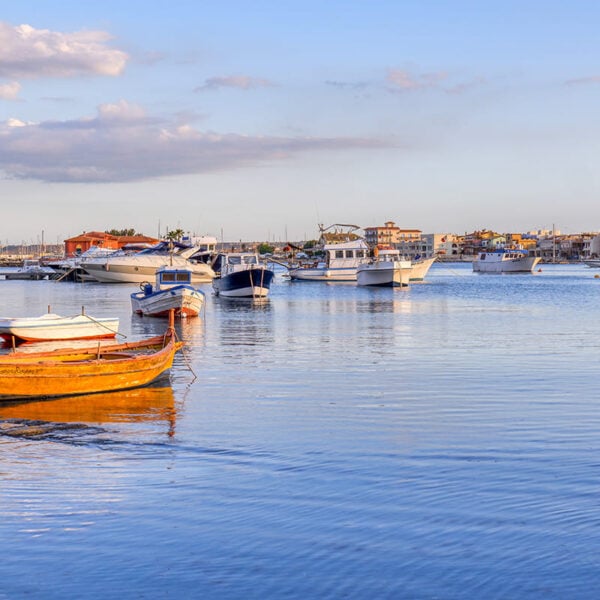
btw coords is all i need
(50, 327)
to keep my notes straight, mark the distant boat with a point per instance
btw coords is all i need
(173, 290)
(75, 371)
(50, 327)
(386, 269)
(31, 269)
(592, 262)
(505, 260)
(241, 275)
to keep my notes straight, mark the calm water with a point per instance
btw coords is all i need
(338, 442)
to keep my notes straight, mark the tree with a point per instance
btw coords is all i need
(122, 232)
(310, 244)
(175, 234)
(265, 248)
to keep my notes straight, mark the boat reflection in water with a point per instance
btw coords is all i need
(139, 405)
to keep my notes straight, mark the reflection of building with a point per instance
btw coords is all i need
(80, 243)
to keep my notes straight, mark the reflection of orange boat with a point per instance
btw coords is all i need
(67, 372)
(128, 406)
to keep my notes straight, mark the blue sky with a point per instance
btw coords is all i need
(256, 119)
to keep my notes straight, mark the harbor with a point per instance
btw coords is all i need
(450, 427)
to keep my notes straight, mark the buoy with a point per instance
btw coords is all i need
(540, 270)
(596, 276)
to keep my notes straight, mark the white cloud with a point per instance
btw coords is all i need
(10, 91)
(26, 52)
(121, 143)
(240, 82)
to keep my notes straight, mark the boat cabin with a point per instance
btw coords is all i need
(168, 277)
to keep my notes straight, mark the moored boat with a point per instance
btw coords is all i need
(51, 327)
(172, 290)
(342, 251)
(241, 275)
(505, 260)
(138, 267)
(420, 268)
(73, 371)
(386, 269)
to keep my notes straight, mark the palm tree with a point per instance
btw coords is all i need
(175, 234)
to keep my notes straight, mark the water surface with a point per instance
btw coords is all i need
(333, 442)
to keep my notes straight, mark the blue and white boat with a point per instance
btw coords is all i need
(173, 290)
(241, 275)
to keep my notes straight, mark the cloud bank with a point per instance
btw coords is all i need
(121, 144)
(26, 53)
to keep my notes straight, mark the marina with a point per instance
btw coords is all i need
(331, 429)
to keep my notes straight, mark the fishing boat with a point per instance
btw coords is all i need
(172, 290)
(50, 327)
(241, 275)
(72, 371)
(386, 269)
(342, 249)
(505, 260)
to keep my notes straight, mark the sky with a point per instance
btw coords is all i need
(259, 120)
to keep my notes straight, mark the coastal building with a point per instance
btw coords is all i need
(390, 235)
(441, 244)
(81, 243)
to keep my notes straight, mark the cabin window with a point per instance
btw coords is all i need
(482, 256)
(183, 277)
(349, 254)
(250, 260)
(360, 253)
(339, 254)
(235, 260)
(168, 277)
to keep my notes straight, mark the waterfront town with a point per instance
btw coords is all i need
(550, 245)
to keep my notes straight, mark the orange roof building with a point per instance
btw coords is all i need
(81, 243)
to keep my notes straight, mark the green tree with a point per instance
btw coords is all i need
(175, 234)
(310, 244)
(265, 248)
(122, 232)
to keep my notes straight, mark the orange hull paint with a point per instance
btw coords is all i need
(87, 370)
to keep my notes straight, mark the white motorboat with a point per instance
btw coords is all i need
(173, 290)
(31, 269)
(505, 260)
(420, 268)
(50, 327)
(138, 267)
(592, 262)
(71, 267)
(340, 263)
(241, 275)
(385, 269)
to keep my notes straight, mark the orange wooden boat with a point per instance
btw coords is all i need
(72, 371)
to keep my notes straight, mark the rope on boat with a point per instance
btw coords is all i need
(185, 358)
(83, 314)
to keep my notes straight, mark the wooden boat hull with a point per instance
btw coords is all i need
(85, 371)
